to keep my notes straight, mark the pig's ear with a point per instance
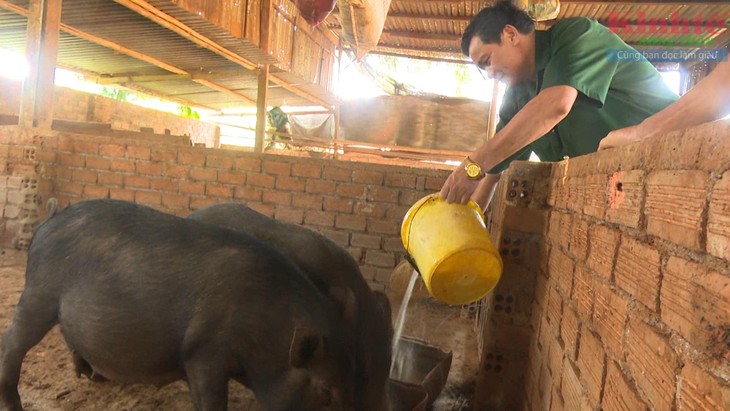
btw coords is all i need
(306, 345)
(344, 298)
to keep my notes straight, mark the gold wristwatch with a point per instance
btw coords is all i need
(473, 170)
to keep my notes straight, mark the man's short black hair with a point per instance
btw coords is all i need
(489, 23)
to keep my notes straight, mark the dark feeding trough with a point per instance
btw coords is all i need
(418, 375)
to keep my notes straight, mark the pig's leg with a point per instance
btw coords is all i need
(208, 382)
(83, 367)
(34, 316)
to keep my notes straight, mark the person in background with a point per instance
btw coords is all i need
(567, 89)
(709, 100)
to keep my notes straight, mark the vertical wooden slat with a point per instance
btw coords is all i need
(36, 107)
(263, 84)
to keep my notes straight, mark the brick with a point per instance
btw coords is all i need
(527, 220)
(126, 166)
(176, 171)
(136, 182)
(618, 394)
(231, 177)
(554, 311)
(260, 180)
(203, 174)
(289, 215)
(637, 271)
(653, 363)
(319, 218)
(176, 201)
(715, 151)
(625, 197)
(595, 195)
(247, 194)
(98, 163)
(219, 161)
(350, 222)
(85, 147)
(400, 180)
(163, 156)
(121, 194)
(695, 301)
(196, 203)
(365, 240)
(191, 158)
(320, 187)
(395, 212)
(677, 150)
(289, 183)
(276, 197)
(383, 227)
(545, 382)
(561, 268)
(393, 244)
(675, 201)
(110, 179)
(565, 232)
(572, 392)
(94, 191)
(350, 190)
(583, 293)
(382, 194)
(219, 191)
(278, 168)
(569, 331)
(71, 160)
(368, 209)
(592, 365)
(579, 240)
(609, 318)
(149, 169)
(190, 187)
(306, 170)
(335, 173)
(699, 390)
(112, 150)
(409, 197)
(307, 201)
(252, 164)
(718, 224)
(138, 152)
(84, 176)
(150, 198)
(603, 242)
(574, 194)
(373, 178)
(435, 183)
(340, 205)
(380, 259)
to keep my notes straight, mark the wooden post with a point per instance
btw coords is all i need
(338, 130)
(263, 85)
(492, 120)
(36, 106)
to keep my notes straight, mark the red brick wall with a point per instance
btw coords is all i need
(633, 311)
(79, 106)
(359, 206)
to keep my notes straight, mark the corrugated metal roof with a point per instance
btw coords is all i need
(433, 28)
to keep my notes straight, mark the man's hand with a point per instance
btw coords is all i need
(622, 136)
(458, 188)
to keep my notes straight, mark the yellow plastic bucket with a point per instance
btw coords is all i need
(450, 246)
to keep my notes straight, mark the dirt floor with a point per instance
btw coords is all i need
(48, 381)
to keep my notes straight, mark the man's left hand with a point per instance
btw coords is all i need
(458, 187)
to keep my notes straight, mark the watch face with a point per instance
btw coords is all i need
(473, 170)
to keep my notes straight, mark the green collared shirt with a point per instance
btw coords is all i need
(612, 94)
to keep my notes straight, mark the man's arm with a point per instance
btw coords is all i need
(709, 100)
(485, 190)
(536, 118)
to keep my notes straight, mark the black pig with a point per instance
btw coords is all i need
(146, 297)
(327, 265)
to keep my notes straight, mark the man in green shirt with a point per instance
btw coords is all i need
(568, 87)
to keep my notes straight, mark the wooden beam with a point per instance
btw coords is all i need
(165, 20)
(436, 59)
(141, 79)
(36, 105)
(262, 94)
(423, 36)
(224, 90)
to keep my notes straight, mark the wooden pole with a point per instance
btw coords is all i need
(338, 130)
(263, 84)
(36, 105)
(492, 120)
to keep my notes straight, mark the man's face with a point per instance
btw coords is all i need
(506, 61)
